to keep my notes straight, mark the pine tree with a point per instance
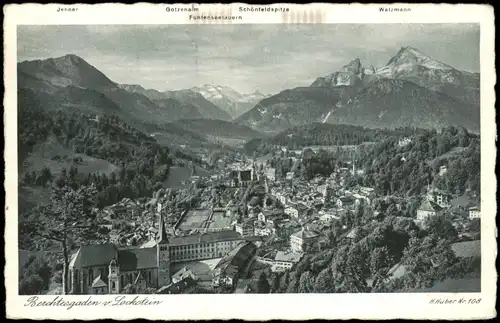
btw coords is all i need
(263, 285)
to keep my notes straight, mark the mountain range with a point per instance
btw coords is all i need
(412, 89)
(69, 82)
(228, 99)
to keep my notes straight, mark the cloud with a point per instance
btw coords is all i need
(266, 57)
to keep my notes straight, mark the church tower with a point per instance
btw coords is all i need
(113, 278)
(162, 255)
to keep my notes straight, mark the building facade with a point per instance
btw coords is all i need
(246, 229)
(302, 239)
(426, 210)
(208, 245)
(292, 212)
(107, 269)
(474, 213)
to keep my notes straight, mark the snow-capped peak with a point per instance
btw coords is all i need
(218, 92)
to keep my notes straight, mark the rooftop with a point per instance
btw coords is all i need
(94, 255)
(178, 287)
(353, 233)
(246, 175)
(208, 237)
(137, 258)
(429, 206)
(237, 257)
(288, 256)
(98, 282)
(305, 234)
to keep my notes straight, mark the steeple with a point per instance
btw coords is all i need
(162, 254)
(162, 234)
(113, 281)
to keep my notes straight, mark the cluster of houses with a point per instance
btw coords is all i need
(232, 265)
(304, 216)
(139, 221)
(436, 202)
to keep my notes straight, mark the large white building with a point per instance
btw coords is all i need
(474, 213)
(299, 241)
(439, 197)
(246, 228)
(292, 212)
(285, 260)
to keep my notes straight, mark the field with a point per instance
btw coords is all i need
(219, 220)
(53, 155)
(179, 174)
(460, 285)
(195, 219)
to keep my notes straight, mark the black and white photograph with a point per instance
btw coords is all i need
(240, 159)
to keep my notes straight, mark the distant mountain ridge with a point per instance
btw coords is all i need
(67, 70)
(292, 108)
(412, 89)
(392, 103)
(193, 104)
(70, 82)
(228, 99)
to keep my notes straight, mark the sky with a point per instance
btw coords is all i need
(265, 57)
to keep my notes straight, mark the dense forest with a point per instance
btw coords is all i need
(324, 134)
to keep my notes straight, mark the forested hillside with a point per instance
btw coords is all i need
(325, 134)
(141, 163)
(409, 169)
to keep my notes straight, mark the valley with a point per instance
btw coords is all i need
(327, 188)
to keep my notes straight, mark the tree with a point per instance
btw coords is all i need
(306, 283)
(275, 282)
(474, 225)
(284, 281)
(35, 275)
(70, 217)
(324, 282)
(427, 261)
(441, 227)
(31, 285)
(263, 285)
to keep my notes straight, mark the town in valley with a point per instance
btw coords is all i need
(365, 180)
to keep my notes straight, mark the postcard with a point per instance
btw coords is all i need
(257, 162)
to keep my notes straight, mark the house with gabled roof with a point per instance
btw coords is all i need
(426, 210)
(299, 241)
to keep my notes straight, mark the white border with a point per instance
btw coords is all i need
(262, 307)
